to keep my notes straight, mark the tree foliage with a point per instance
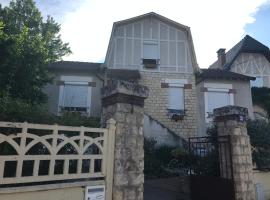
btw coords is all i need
(28, 44)
(261, 97)
(259, 132)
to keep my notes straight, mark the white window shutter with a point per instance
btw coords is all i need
(75, 96)
(176, 98)
(150, 51)
(217, 100)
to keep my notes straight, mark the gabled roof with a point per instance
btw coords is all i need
(152, 14)
(162, 18)
(75, 65)
(246, 45)
(219, 74)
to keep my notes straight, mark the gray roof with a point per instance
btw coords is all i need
(219, 74)
(246, 45)
(75, 65)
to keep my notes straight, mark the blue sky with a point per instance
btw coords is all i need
(86, 24)
(260, 29)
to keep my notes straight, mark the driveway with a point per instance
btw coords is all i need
(165, 189)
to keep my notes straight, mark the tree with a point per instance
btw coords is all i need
(28, 44)
(261, 97)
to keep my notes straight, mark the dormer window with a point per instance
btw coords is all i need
(150, 54)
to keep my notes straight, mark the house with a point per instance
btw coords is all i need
(163, 53)
(248, 57)
(156, 52)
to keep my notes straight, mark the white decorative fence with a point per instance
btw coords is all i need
(37, 153)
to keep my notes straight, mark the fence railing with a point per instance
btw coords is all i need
(37, 153)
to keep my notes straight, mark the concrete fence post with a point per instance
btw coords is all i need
(231, 120)
(124, 102)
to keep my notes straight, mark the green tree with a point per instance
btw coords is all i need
(28, 44)
(261, 97)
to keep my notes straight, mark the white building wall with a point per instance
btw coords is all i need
(253, 64)
(127, 45)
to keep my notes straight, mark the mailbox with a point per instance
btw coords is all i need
(95, 192)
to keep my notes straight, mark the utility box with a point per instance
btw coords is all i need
(95, 192)
(259, 191)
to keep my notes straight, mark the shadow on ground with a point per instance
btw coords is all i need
(166, 189)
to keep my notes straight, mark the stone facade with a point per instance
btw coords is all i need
(231, 120)
(156, 104)
(124, 102)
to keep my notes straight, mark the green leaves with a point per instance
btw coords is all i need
(259, 132)
(261, 97)
(28, 44)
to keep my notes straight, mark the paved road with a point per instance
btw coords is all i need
(163, 189)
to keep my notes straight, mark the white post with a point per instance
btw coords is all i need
(110, 157)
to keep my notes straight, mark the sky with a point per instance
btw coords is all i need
(86, 24)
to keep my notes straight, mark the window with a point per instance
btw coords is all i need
(217, 95)
(176, 102)
(257, 83)
(150, 54)
(217, 99)
(176, 98)
(75, 96)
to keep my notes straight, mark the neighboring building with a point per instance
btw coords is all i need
(251, 58)
(217, 88)
(76, 87)
(248, 57)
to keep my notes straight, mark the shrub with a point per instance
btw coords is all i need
(17, 110)
(259, 132)
(158, 159)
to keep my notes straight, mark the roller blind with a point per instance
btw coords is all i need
(176, 98)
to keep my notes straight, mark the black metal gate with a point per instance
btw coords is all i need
(211, 176)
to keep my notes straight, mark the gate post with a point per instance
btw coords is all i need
(231, 120)
(124, 101)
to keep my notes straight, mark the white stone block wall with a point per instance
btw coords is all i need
(157, 103)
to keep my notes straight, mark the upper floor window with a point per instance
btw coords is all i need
(150, 54)
(75, 94)
(257, 83)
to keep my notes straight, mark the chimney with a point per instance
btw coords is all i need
(221, 57)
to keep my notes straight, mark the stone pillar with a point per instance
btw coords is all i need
(124, 102)
(231, 120)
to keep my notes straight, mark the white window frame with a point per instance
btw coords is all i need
(216, 87)
(75, 80)
(176, 83)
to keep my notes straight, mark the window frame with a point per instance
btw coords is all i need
(75, 80)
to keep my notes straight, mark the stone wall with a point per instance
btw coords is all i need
(124, 102)
(231, 120)
(157, 103)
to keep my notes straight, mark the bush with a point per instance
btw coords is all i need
(259, 132)
(17, 110)
(157, 159)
